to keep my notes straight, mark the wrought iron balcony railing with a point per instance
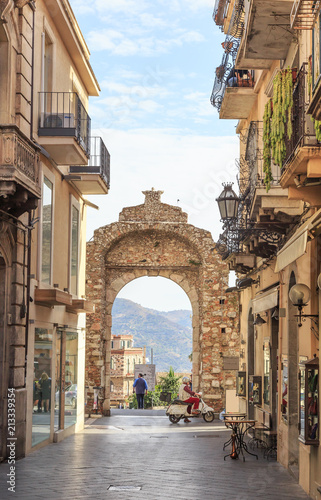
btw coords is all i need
(220, 12)
(99, 161)
(63, 114)
(303, 129)
(251, 175)
(304, 13)
(230, 47)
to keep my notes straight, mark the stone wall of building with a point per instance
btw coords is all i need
(154, 239)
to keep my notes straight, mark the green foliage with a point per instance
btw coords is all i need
(267, 145)
(317, 128)
(277, 123)
(282, 114)
(194, 262)
(170, 383)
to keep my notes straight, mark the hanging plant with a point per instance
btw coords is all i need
(281, 122)
(267, 145)
(317, 128)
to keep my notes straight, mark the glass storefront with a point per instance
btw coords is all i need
(66, 379)
(42, 386)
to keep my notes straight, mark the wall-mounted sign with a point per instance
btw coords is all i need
(230, 363)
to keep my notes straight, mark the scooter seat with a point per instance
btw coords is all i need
(179, 402)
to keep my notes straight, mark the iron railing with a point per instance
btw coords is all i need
(99, 161)
(230, 47)
(251, 174)
(220, 12)
(303, 132)
(63, 114)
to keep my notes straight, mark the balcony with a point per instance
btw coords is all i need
(220, 12)
(271, 210)
(304, 13)
(64, 127)
(93, 178)
(301, 171)
(238, 96)
(19, 171)
(267, 32)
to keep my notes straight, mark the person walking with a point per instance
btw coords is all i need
(140, 386)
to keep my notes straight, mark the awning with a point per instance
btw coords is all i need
(265, 301)
(297, 244)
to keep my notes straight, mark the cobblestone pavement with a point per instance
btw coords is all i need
(167, 461)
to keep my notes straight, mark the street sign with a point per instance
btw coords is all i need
(148, 372)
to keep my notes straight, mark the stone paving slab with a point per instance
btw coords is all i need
(180, 462)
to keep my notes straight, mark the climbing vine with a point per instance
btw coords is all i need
(267, 145)
(277, 123)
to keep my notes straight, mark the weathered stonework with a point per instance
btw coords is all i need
(154, 239)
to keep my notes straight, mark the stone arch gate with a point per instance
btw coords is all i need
(155, 239)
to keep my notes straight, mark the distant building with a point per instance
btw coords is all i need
(124, 356)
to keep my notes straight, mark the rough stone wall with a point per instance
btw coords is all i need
(144, 243)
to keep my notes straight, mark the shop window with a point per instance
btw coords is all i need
(42, 386)
(266, 381)
(309, 402)
(285, 382)
(255, 390)
(74, 250)
(66, 378)
(241, 384)
(47, 226)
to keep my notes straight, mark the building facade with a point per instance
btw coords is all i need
(124, 357)
(48, 164)
(269, 81)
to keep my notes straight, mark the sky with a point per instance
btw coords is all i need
(155, 62)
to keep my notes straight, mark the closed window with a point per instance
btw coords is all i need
(47, 226)
(74, 253)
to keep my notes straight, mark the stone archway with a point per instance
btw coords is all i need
(155, 239)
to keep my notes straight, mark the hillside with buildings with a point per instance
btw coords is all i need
(168, 333)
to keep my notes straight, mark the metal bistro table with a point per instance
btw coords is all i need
(232, 416)
(239, 429)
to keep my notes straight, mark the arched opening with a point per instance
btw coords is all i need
(3, 357)
(151, 325)
(292, 396)
(250, 356)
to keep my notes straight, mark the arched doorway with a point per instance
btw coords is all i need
(250, 356)
(293, 390)
(154, 239)
(151, 324)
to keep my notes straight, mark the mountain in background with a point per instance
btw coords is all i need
(168, 333)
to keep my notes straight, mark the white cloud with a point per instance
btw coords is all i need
(119, 44)
(187, 167)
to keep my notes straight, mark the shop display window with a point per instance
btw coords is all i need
(285, 381)
(241, 384)
(309, 402)
(266, 359)
(255, 390)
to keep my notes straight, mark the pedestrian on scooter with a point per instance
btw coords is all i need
(140, 385)
(186, 394)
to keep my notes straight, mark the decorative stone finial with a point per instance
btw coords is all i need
(152, 196)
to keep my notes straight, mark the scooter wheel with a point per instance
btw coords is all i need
(174, 419)
(209, 416)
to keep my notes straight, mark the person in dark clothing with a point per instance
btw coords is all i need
(140, 386)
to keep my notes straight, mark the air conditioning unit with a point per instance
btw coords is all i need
(57, 120)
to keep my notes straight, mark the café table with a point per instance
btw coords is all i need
(232, 416)
(239, 429)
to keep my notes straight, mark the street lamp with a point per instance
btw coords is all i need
(259, 321)
(228, 202)
(300, 295)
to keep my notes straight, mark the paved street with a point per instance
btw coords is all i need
(144, 450)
